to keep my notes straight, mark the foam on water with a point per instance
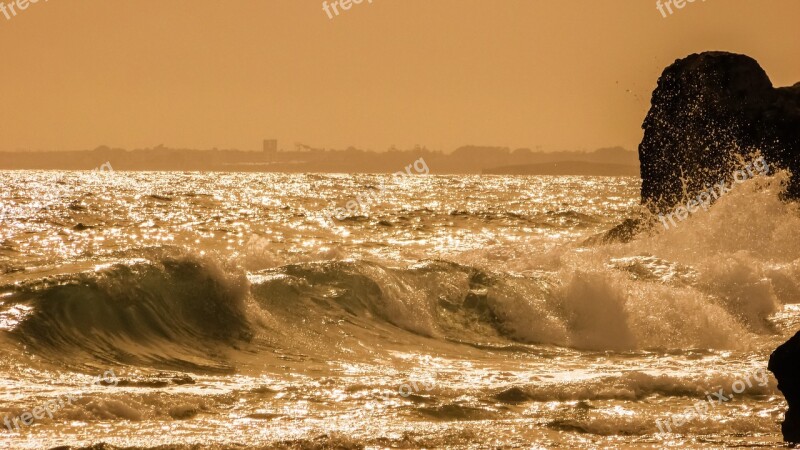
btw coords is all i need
(296, 328)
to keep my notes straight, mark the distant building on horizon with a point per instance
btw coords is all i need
(270, 146)
(270, 149)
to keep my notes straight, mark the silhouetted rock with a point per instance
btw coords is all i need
(785, 364)
(512, 395)
(624, 232)
(710, 112)
(707, 110)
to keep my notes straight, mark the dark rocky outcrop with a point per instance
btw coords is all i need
(708, 109)
(708, 112)
(785, 364)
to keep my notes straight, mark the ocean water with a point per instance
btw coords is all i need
(451, 312)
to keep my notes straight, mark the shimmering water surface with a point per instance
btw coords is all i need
(453, 312)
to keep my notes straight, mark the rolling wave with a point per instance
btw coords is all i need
(197, 312)
(189, 312)
(177, 311)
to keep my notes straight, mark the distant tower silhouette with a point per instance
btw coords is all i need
(270, 148)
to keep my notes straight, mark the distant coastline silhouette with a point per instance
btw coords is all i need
(469, 159)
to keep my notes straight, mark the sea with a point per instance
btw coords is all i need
(170, 310)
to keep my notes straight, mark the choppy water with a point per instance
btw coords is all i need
(458, 312)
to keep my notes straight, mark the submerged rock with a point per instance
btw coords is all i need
(708, 112)
(624, 232)
(785, 364)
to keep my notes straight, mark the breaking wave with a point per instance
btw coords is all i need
(713, 282)
(175, 312)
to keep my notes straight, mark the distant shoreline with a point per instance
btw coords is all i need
(464, 160)
(567, 168)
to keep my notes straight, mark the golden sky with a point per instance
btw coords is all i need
(560, 74)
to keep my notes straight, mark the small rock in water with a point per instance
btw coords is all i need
(183, 412)
(785, 364)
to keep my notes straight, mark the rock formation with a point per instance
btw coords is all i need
(708, 109)
(708, 112)
(785, 364)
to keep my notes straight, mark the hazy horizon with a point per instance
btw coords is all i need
(294, 148)
(194, 75)
(464, 160)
